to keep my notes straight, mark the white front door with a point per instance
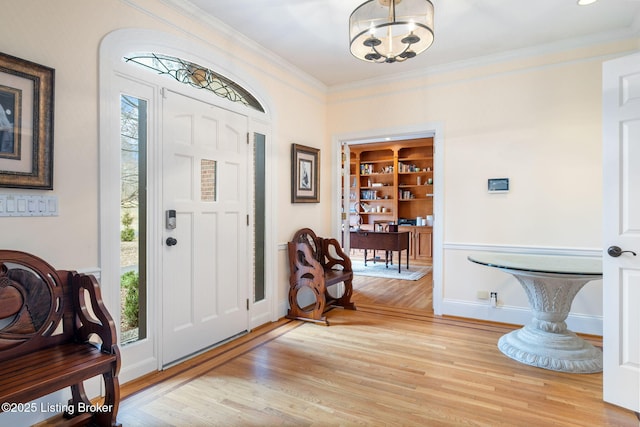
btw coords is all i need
(621, 179)
(206, 261)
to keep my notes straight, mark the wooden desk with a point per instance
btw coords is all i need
(386, 241)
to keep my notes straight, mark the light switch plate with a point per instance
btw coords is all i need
(26, 205)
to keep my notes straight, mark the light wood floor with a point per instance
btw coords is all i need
(391, 363)
(412, 295)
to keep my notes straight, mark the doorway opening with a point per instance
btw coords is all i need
(383, 183)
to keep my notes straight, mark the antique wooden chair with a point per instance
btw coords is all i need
(315, 264)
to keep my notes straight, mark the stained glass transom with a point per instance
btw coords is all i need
(196, 76)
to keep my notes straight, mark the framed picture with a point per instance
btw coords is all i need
(26, 124)
(305, 174)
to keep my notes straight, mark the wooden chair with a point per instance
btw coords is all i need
(316, 263)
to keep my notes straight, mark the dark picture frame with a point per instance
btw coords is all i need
(26, 124)
(305, 174)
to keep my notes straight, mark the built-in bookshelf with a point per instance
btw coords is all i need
(392, 182)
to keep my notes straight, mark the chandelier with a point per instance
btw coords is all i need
(391, 30)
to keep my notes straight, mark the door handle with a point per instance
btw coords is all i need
(171, 241)
(616, 251)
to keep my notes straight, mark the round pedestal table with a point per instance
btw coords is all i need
(551, 283)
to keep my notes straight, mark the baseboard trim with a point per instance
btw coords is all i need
(591, 325)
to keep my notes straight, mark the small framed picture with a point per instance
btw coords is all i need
(305, 174)
(498, 185)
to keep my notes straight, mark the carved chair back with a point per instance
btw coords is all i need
(34, 305)
(306, 235)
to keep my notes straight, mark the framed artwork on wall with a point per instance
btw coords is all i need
(26, 124)
(305, 174)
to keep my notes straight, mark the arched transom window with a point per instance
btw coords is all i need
(196, 76)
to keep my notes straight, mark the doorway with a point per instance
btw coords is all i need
(341, 224)
(118, 78)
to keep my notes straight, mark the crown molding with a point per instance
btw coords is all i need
(513, 55)
(195, 13)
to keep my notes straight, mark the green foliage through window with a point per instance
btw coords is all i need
(131, 308)
(127, 234)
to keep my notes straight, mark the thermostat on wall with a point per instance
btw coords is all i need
(498, 185)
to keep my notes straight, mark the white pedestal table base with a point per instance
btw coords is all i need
(546, 342)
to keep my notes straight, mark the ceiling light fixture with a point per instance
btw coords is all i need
(586, 2)
(391, 30)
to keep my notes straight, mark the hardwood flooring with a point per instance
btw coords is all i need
(391, 363)
(409, 294)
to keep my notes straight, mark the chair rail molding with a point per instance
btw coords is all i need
(541, 250)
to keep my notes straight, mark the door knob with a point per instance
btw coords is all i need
(171, 241)
(616, 251)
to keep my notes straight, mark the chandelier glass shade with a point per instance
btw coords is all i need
(391, 30)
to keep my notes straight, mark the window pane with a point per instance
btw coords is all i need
(208, 180)
(259, 215)
(133, 143)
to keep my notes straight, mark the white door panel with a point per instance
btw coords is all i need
(621, 213)
(205, 180)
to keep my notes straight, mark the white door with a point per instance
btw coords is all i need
(621, 175)
(206, 267)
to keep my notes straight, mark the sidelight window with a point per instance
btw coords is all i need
(133, 207)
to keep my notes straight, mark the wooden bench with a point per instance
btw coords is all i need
(55, 332)
(316, 263)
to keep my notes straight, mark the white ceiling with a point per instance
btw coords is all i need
(313, 34)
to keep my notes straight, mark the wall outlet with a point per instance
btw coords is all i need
(482, 295)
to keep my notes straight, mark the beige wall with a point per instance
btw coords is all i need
(70, 44)
(539, 126)
(536, 121)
